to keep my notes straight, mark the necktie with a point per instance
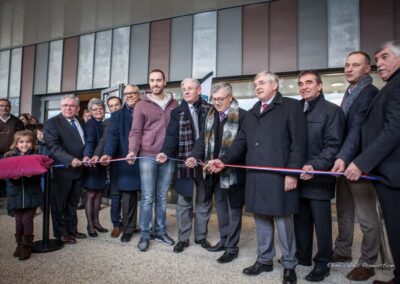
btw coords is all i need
(264, 107)
(305, 107)
(195, 119)
(73, 123)
(222, 116)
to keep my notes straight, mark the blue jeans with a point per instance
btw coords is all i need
(115, 210)
(155, 179)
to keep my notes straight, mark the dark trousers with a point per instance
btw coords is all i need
(389, 198)
(229, 220)
(65, 196)
(24, 221)
(129, 211)
(314, 213)
(115, 210)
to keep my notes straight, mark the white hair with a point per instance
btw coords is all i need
(67, 97)
(393, 45)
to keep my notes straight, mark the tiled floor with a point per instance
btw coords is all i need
(107, 260)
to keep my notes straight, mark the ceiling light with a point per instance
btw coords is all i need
(337, 84)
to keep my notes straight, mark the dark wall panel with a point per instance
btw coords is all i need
(70, 64)
(283, 35)
(181, 48)
(41, 68)
(397, 20)
(312, 34)
(28, 69)
(255, 38)
(381, 28)
(139, 56)
(229, 42)
(160, 32)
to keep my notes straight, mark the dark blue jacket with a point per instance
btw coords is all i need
(95, 177)
(117, 146)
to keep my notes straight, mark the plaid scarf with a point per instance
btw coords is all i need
(352, 93)
(227, 177)
(186, 141)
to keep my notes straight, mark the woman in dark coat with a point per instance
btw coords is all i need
(95, 180)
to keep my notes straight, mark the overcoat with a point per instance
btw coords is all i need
(117, 147)
(277, 137)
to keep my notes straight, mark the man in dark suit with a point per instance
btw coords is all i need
(325, 125)
(128, 176)
(65, 138)
(356, 198)
(380, 154)
(274, 134)
(184, 128)
(222, 124)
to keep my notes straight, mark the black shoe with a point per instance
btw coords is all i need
(78, 235)
(227, 257)
(91, 233)
(317, 274)
(217, 247)
(204, 243)
(165, 239)
(101, 229)
(257, 268)
(143, 244)
(289, 276)
(180, 246)
(126, 238)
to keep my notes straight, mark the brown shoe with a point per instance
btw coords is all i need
(384, 282)
(116, 232)
(360, 273)
(341, 258)
(26, 248)
(17, 251)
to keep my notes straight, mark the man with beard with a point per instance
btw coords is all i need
(152, 115)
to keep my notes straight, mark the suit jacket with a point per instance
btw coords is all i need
(117, 146)
(354, 120)
(380, 154)
(325, 127)
(64, 145)
(278, 138)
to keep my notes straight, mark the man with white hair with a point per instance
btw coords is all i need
(380, 154)
(65, 138)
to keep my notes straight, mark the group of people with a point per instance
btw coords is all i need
(199, 141)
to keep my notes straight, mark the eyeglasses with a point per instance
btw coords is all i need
(97, 109)
(132, 93)
(69, 106)
(219, 100)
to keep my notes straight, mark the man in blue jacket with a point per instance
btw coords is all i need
(128, 180)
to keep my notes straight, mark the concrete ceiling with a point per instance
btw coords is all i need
(25, 22)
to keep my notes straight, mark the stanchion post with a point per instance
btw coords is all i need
(47, 245)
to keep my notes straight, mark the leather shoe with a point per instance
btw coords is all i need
(92, 233)
(180, 246)
(204, 243)
(227, 257)
(383, 282)
(116, 232)
(78, 235)
(126, 238)
(289, 276)
(317, 274)
(360, 273)
(257, 268)
(217, 247)
(341, 258)
(68, 239)
(100, 229)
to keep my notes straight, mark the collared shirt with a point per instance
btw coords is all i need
(78, 126)
(268, 102)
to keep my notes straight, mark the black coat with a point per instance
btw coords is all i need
(64, 145)
(184, 185)
(380, 154)
(354, 121)
(25, 192)
(117, 147)
(325, 126)
(235, 191)
(277, 138)
(95, 177)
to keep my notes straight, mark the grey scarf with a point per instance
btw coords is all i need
(351, 96)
